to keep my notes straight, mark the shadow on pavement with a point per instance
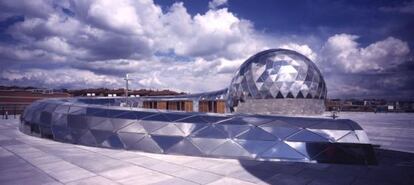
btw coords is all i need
(393, 167)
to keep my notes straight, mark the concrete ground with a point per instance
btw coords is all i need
(30, 160)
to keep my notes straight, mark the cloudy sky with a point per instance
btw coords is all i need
(363, 48)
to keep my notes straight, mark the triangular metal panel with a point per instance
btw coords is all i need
(158, 117)
(332, 135)
(77, 121)
(100, 135)
(300, 95)
(193, 119)
(134, 127)
(213, 119)
(255, 147)
(120, 123)
(306, 136)
(151, 126)
(289, 95)
(282, 151)
(113, 142)
(256, 133)
(259, 84)
(189, 128)
(76, 110)
(147, 144)
(165, 142)
(130, 139)
(61, 133)
(349, 138)
(301, 148)
(233, 130)
(185, 147)
(209, 132)
(230, 148)
(206, 145)
(76, 134)
(140, 115)
(279, 95)
(280, 131)
(174, 117)
(362, 136)
(94, 121)
(59, 119)
(87, 139)
(274, 90)
(106, 125)
(50, 107)
(169, 130)
(251, 120)
(63, 109)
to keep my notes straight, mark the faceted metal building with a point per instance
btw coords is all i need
(255, 137)
(277, 81)
(271, 82)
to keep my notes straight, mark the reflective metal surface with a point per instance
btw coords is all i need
(276, 74)
(230, 136)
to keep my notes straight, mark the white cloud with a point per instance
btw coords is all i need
(216, 3)
(217, 33)
(59, 78)
(126, 38)
(105, 39)
(125, 16)
(302, 49)
(342, 51)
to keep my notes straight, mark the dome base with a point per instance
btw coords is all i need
(282, 106)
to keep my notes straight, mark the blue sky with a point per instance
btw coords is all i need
(363, 48)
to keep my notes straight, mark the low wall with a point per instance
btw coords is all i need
(282, 106)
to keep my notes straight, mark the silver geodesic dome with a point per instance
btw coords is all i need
(276, 74)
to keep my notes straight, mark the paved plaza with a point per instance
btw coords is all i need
(30, 160)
